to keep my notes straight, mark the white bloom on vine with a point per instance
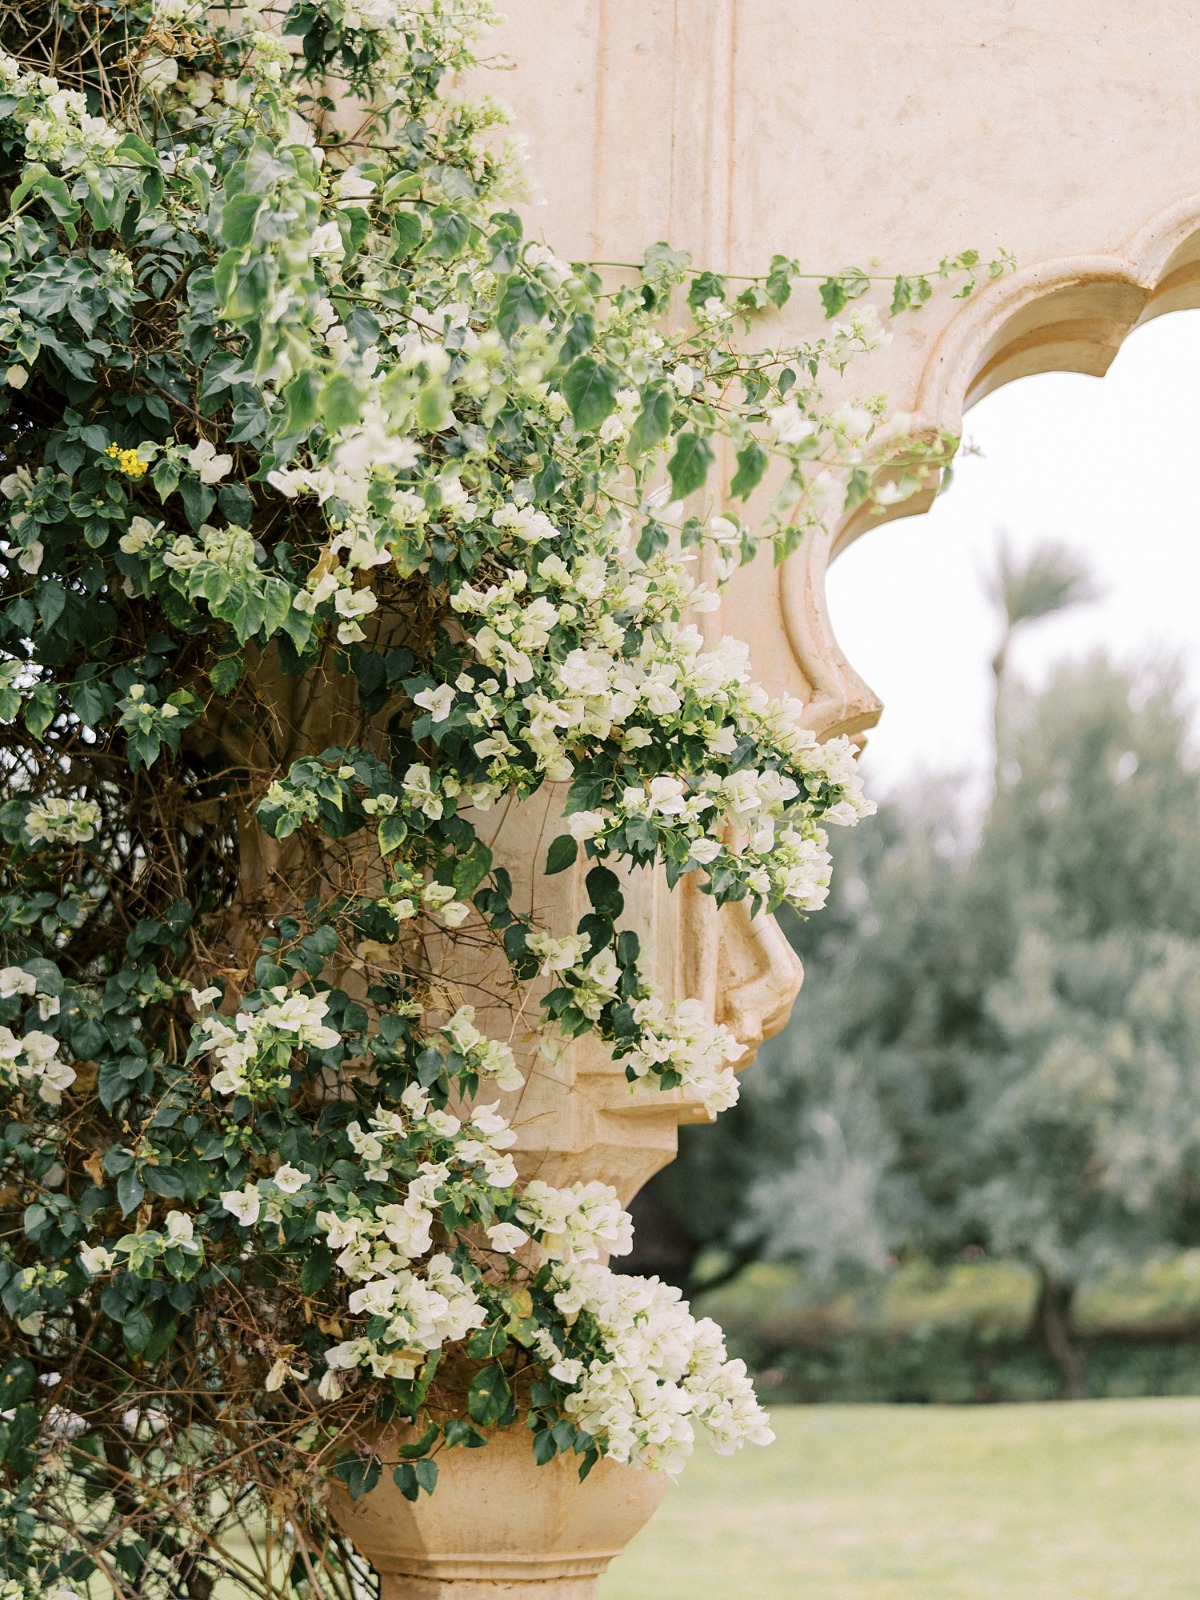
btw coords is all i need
(235, 1048)
(414, 1099)
(501, 1170)
(529, 524)
(96, 1259)
(418, 786)
(486, 1120)
(704, 851)
(367, 1146)
(854, 421)
(289, 1179)
(408, 1227)
(666, 796)
(350, 605)
(353, 185)
(506, 1237)
(15, 980)
(178, 10)
(789, 423)
(438, 701)
(325, 241)
(139, 536)
(578, 1223)
(302, 1015)
(663, 1373)
(340, 1232)
(558, 955)
(281, 1370)
(16, 377)
(207, 464)
(62, 821)
(33, 1061)
(583, 825)
(158, 71)
(244, 1204)
(180, 1232)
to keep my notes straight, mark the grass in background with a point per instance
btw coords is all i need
(1094, 1500)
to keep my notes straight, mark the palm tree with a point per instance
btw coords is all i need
(1050, 579)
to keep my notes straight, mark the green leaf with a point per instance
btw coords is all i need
(339, 403)
(130, 1191)
(835, 292)
(421, 1446)
(224, 674)
(604, 891)
(392, 833)
(52, 597)
(426, 1473)
(300, 398)
(38, 181)
(689, 465)
(523, 303)
(561, 854)
(779, 280)
(471, 869)
(165, 477)
(654, 420)
(198, 500)
(489, 1396)
(581, 336)
(91, 700)
(908, 292)
(459, 1431)
(360, 1474)
(40, 707)
(705, 286)
(486, 1342)
(237, 219)
(451, 230)
(752, 462)
(590, 389)
(407, 233)
(318, 1264)
(112, 1085)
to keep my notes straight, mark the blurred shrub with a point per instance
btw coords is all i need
(952, 1335)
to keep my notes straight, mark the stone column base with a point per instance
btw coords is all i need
(498, 1526)
(398, 1588)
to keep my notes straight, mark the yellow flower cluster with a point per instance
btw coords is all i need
(128, 461)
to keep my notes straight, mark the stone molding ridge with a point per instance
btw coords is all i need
(1070, 314)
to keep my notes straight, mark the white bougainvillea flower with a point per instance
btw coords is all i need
(205, 461)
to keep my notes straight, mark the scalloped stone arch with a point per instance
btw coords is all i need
(1067, 315)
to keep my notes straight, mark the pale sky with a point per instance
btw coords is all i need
(1106, 465)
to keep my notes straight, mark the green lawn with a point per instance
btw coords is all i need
(1096, 1500)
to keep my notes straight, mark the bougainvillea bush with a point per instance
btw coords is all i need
(335, 513)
